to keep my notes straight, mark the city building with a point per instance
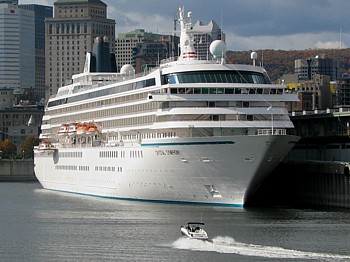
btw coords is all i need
(6, 98)
(70, 35)
(138, 46)
(15, 123)
(151, 52)
(17, 46)
(19, 121)
(204, 35)
(142, 49)
(146, 55)
(342, 90)
(40, 14)
(306, 68)
(313, 94)
(22, 67)
(13, 2)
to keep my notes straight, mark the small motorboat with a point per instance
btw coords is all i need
(194, 230)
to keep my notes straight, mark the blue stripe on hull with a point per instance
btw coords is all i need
(191, 143)
(154, 201)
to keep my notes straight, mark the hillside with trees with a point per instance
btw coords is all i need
(279, 62)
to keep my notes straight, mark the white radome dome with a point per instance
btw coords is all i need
(218, 48)
(127, 69)
(254, 55)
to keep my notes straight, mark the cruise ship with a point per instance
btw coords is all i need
(188, 131)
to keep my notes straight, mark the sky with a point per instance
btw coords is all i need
(248, 24)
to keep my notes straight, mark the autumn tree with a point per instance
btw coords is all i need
(27, 146)
(8, 148)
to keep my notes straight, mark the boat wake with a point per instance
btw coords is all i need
(229, 245)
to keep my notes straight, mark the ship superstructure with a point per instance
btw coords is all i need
(189, 130)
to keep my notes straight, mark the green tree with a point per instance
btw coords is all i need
(8, 148)
(27, 146)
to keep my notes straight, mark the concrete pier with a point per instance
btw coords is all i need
(17, 170)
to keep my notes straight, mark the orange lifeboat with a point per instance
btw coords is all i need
(82, 129)
(92, 129)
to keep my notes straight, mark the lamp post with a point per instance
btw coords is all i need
(190, 128)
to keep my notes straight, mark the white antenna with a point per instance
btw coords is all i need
(253, 56)
(221, 26)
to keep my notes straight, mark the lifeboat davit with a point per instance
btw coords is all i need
(63, 130)
(46, 146)
(72, 130)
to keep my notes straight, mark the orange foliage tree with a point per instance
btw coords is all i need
(27, 146)
(8, 148)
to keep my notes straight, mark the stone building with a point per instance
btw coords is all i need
(70, 35)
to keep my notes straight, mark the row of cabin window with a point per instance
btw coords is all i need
(71, 154)
(238, 91)
(80, 168)
(104, 92)
(108, 168)
(110, 101)
(143, 136)
(110, 113)
(87, 168)
(115, 154)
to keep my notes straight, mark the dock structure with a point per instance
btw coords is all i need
(325, 135)
(316, 171)
(323, 183)
(17, 170)
(306, 184)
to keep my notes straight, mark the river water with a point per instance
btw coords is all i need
(41, 225)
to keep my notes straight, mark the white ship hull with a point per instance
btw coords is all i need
(216, 170)
(189, 130)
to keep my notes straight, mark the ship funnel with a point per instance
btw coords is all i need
(100, 60)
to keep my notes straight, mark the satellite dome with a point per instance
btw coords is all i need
(218, 49)
(253, 55)
(127, 69)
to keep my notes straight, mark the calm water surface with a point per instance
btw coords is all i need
(41, 225)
